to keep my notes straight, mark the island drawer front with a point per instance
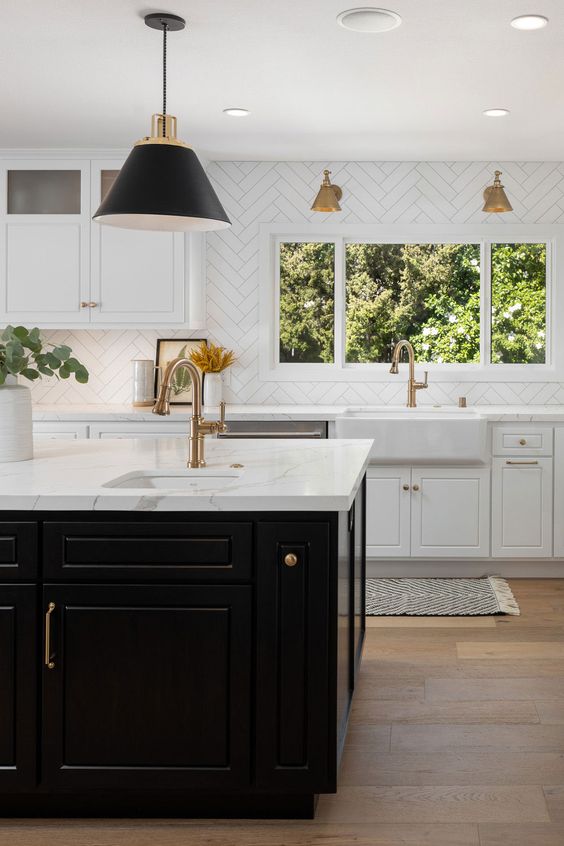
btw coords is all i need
(148, 551)
(18, 551)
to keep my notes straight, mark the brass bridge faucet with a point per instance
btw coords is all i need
(198, 426)
(412, 385)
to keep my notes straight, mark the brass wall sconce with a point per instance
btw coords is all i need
(495, 198)
(328, 196)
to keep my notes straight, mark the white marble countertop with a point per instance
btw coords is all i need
(127, 413)
(277, 476)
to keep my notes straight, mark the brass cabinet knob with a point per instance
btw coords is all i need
(290, 560)
(415, 487)
(406, 487)
(523, 442)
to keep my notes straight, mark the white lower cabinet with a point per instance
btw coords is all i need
(522, 507)
(428, 512)
(388, 504)
(450, 512)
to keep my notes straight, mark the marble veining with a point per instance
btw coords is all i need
(278, 475)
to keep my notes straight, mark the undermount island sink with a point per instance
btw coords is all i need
(201, 479)
(424, 435)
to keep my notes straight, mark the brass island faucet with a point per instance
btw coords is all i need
(199, 427)
(412, 385)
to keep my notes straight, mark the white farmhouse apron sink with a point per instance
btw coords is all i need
(418, 435)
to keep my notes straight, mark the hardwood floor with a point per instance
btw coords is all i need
(456, 739)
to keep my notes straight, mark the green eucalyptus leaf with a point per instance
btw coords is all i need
(30, 374)
(63, 352)
(64, 372)
(81, 375)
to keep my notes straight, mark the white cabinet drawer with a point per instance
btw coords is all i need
(139, 430)
(515, 438)
(60, 431)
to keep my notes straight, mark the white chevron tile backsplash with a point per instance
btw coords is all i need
(375, 192)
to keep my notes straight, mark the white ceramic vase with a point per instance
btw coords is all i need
(213, 389)
(16, 433)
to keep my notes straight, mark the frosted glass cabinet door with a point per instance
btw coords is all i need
(387, 512)
(137, 276)
(44, 241)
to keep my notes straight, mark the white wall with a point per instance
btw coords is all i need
(374, 192)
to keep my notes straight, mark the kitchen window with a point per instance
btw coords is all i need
(470, 303)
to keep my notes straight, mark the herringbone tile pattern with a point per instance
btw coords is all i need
(375, 192)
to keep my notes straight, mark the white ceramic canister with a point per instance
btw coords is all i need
(16, 428)
(143, 384)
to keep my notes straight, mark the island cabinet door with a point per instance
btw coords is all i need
(146, 687)
(296, 658)
(18, 663)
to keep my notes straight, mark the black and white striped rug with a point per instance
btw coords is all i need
(439, 597)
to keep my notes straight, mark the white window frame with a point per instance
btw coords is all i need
(272, 234)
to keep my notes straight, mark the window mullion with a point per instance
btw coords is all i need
(340, 303)
(485, 303)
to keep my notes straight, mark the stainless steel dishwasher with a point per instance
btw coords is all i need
(239, 429)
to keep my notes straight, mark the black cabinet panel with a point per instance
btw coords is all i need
(148, 551)
(18, 551)
(293, 657)
(358, 556)
(151, 686)
(18, 669)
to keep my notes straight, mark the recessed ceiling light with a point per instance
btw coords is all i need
(496, 112)
(529, 22)
(369, 20)
(236, 112)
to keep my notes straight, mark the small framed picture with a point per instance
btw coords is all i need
(167, 351)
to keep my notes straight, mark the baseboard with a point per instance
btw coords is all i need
(444, 568)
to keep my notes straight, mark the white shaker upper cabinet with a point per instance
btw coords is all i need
(44, 241)
(137, 276)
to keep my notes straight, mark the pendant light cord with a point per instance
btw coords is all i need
(165, 30)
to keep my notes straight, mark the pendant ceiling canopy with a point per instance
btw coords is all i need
(162, 185)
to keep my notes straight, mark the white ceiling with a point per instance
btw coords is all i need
(86, 73)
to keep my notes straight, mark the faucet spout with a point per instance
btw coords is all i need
(198, 426)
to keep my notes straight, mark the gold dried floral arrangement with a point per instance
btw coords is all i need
(212, 359)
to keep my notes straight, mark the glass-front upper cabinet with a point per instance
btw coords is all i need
(44, 241)
(43, 192)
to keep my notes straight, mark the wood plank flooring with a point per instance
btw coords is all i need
(456, 739)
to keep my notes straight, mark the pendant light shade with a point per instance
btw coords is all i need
(328, 196)
(495, 198)
(162, 185)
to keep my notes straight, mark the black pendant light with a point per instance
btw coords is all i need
(162, 184)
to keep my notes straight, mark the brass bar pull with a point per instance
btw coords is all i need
(48, 662)
(521, 462)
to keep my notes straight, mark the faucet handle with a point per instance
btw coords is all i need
(221, 425)
(419, 385)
